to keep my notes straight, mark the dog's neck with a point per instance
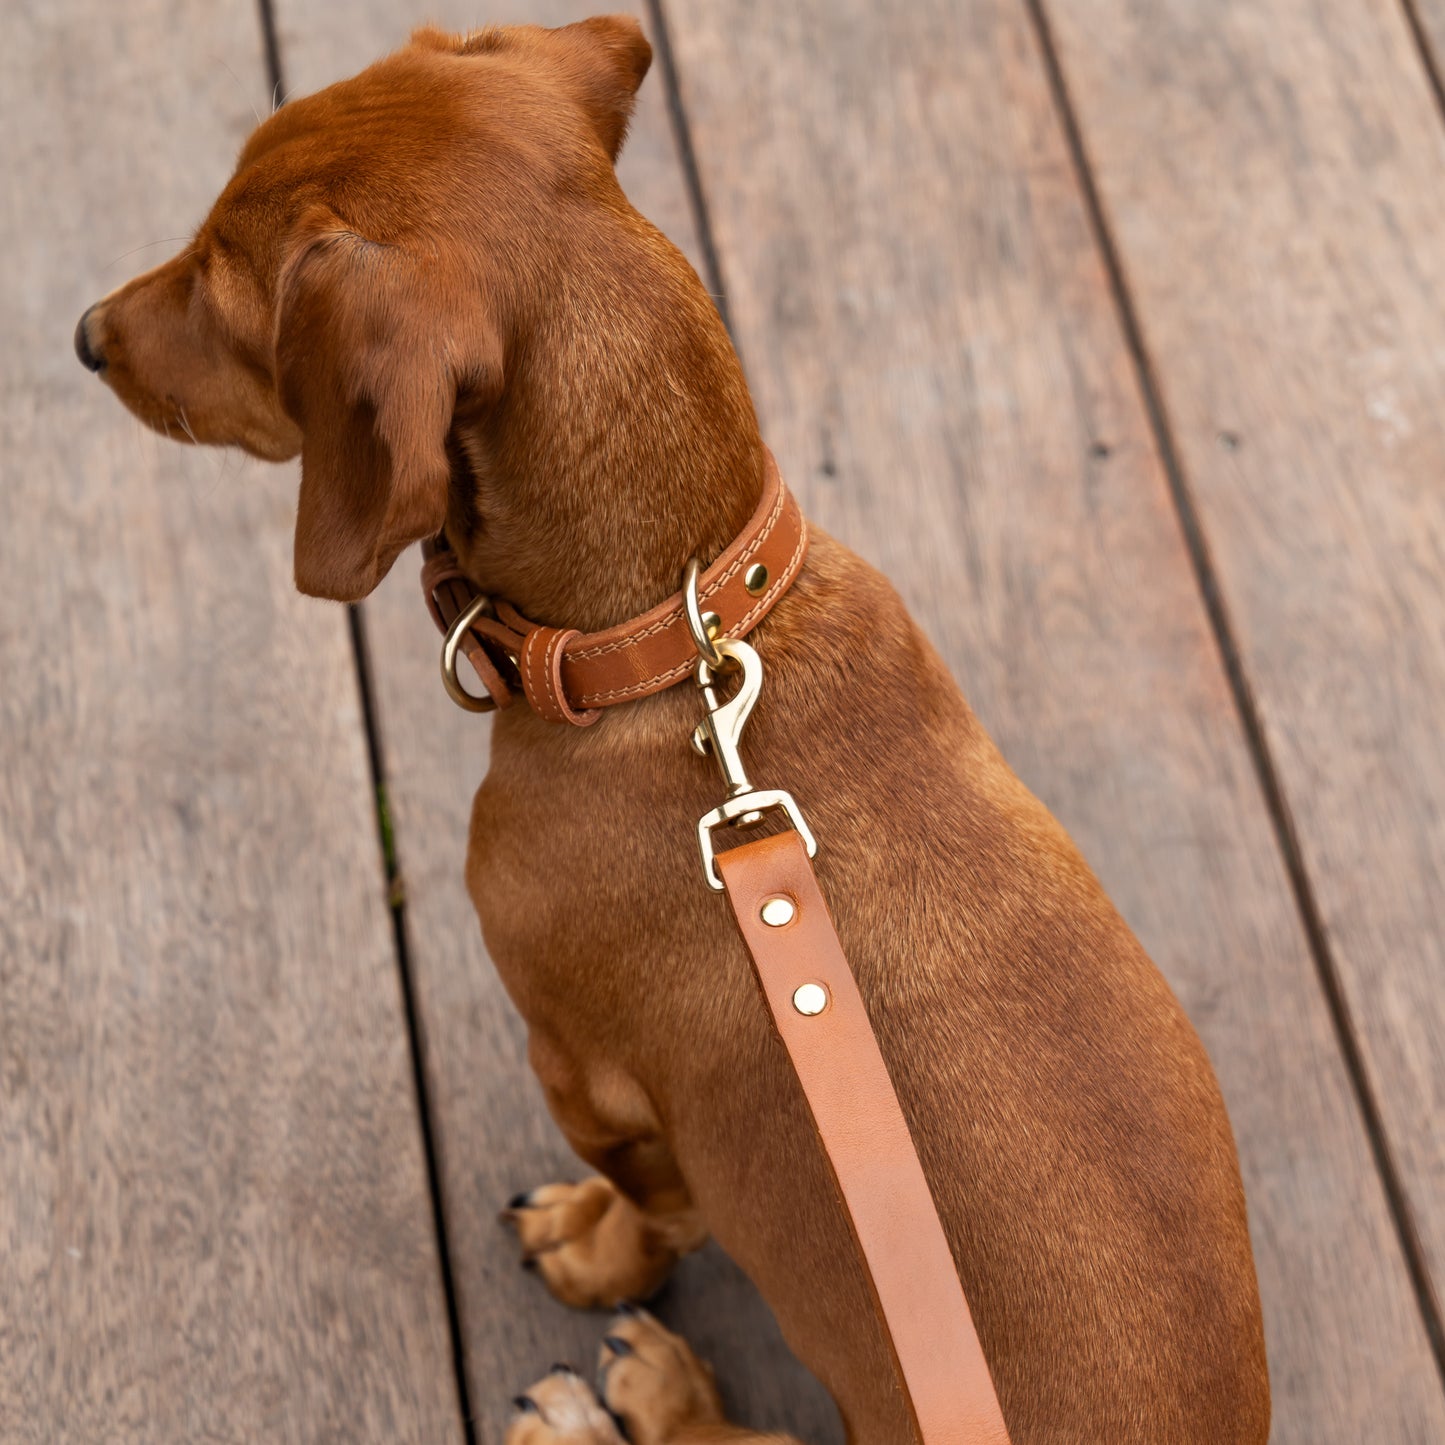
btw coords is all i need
(625, 442)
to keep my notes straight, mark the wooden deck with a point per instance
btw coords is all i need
(1114, 332)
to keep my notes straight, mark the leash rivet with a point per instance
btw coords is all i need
(778, 911)
(810, 999)
(755, 579)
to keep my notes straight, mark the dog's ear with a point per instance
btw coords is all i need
(606, 59)
(373, 348)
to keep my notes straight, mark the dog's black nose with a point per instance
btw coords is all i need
(90, 359)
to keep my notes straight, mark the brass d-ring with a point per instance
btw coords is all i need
(703, 626)
(450, 648)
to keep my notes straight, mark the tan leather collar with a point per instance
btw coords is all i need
(569, 676)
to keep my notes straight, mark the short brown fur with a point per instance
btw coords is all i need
(427, 282)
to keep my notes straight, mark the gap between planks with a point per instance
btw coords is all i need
(1421, 37)
(396, 903)
(1197, 546)
(682, 138)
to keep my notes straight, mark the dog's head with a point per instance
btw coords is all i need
(355, 289)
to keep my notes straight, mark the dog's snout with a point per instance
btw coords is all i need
(90, 356)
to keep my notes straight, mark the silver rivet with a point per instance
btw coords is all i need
(778, 911)
(755, 579)
(810, 999)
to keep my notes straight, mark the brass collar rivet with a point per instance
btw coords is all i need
(755, 579)
(810, 999)
(778, 911)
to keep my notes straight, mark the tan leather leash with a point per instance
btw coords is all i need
(816, 1006)
(798, 960)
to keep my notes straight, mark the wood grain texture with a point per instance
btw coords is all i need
(1275, 177)
(931, 340)
(493, 1133)
(214, 1213)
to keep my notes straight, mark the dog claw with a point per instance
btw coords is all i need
(520, 1201)
(617, 1345)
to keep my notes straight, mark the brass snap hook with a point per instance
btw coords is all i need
(721, 730)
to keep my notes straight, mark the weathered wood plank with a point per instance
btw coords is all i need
(931, 340)
(1275, 178)
(214, 1213)
(494, 1136)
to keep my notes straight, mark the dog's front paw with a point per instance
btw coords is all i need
(593, 1247)
(561, 1410)
(650, 1379)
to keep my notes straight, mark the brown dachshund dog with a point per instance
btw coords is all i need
(427, 282)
